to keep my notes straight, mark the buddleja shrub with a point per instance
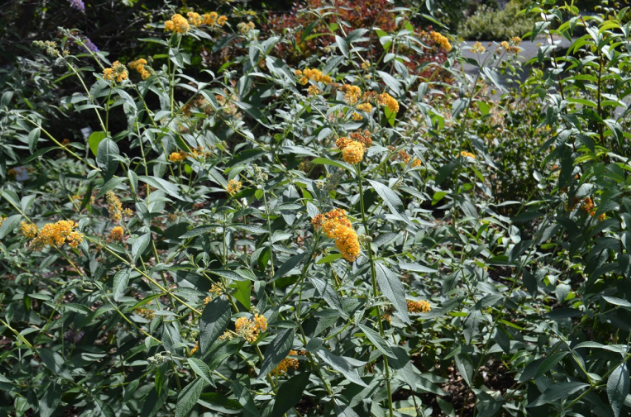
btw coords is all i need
(275, 241)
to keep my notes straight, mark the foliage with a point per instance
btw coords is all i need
(489, 23)
(339, 237)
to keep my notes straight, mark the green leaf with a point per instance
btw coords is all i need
(391, 116)
(140, 245)
(557, 391)
(201, 369)
(276, 351)
(617, 301)
(290, 394)
(33, 137)
(9, 224)
(188, 398)
(50, 400)
(618, 388)
(162, 185)
(341, 365)
(330, 258)
(549, 363)
(220, 403)
(245, 398)
(242, 295)
(484, 108)
(94, 140)
(465, 367)
(416, 267)
(379, 342)
(341, 44)
(213, 322)
(339, 164)
(110, 185)
(391, 199)
(393, 290)
(55, 362)
(438, 195)
(107, 157)
(121, 281)
(198, 231)
(290, 264)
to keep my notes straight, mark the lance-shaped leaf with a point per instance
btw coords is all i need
(213, 322)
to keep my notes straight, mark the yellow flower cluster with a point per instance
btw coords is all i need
(313, 90)
(117, 72)
(367, 107)
(212, 19)
(215, 291)
(198, 152)
(510, 49)
(466, 154)
(28, 230)
(353, 153)
(418, 306)
(416, 163)
(587, 205)
(177, 156)
(147, 313)
(337, 226)
(250, 329)
(115, 207)
(194, 19)
(312, 74)
(440, 40)
(56, 234)
(352, 93)
(477, 48)
(139, 66)
(177, 24)
(195, 349)
(286, 363)
(390, 102)
(233, 187)
(516, 40)
(352, 150)
(116, 234)
(244, 28)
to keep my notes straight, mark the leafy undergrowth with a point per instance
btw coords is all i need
(358, 231)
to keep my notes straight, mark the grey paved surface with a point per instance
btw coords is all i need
(529, 51)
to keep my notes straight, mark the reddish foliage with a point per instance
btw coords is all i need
(318, 38)
(359, 14)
